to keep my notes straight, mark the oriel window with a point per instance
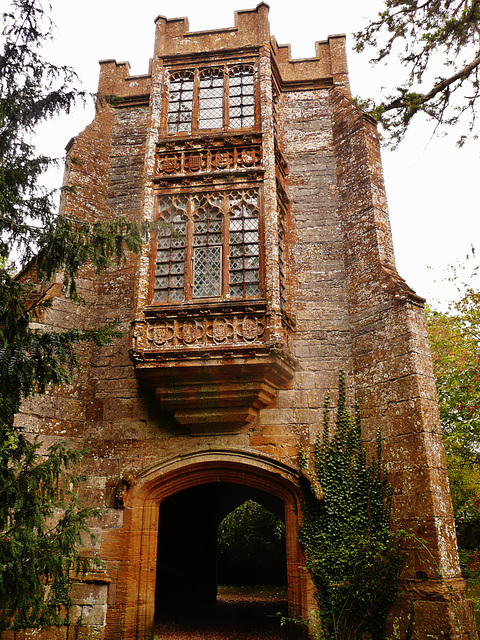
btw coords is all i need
(208, 246)
(211, 98)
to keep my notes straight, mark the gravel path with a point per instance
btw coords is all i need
(240, 613)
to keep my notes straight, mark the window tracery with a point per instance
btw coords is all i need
(208, 246)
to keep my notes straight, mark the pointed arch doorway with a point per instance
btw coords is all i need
(230, 473)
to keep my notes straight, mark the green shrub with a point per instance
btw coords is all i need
(251, 546)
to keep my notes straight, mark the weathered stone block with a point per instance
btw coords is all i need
(87, 615)
(83, 593)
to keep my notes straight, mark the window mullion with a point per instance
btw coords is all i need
(225, 247)
(256, 98)
(189, 252)
(196, 103)
(226, 89)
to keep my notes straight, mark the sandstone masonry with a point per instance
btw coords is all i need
(272, 268)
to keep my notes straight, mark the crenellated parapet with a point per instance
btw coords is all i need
(173, 38)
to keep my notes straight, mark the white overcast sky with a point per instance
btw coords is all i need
(432, 186)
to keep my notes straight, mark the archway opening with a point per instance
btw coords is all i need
(251, 547)
(215, 569)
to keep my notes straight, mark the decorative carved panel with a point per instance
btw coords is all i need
(216, 326)
(190, 158)
(206, 331)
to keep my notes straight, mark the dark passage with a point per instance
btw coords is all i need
(200, 549)
(239, 613)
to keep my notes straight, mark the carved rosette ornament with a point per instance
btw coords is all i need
(220, 331)
(251, 328)
(190, 332)
(201, 331)
(160, 334)
(222, 160)
(169, 164)
(248, 157)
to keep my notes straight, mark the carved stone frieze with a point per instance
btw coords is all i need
(216, 330)
(207, 156)
(203, 331)
(214, 366)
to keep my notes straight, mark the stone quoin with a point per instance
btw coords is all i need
(271, 268)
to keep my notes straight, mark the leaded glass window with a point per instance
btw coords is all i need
(241, 97)
(221, 97)
(180, 102)
(169, 283)
(244, 273)
(208, 246)
(211, 99)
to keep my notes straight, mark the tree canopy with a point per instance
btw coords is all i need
(455, 342)
(438, 45)
(251, 546)
(33, 90)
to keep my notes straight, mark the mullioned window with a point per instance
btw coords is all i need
(208, 246)
(211, 98)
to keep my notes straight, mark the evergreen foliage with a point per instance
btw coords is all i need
(41, 523)
(41, 520)
(31, 91)
(353, 557)
(438, 44)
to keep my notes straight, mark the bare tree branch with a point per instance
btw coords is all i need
(400, 103)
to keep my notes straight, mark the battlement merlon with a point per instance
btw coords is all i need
(251, 28)
(115, 80)
(173, 37)
(329, 64)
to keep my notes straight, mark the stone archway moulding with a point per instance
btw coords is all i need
(140, 531)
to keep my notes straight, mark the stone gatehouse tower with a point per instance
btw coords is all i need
(272, 268)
